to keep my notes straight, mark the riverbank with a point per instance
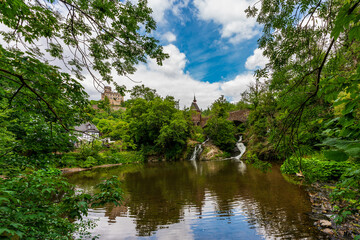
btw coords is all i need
(77, 169)
(324, 211)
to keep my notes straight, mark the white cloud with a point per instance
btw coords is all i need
(159, 8)
(231, 16)
(170, 37)
(170, 79)
(232, 89)
(257, 60)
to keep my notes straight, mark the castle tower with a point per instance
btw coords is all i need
(115, 98)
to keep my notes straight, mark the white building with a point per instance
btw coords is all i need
(87, 132)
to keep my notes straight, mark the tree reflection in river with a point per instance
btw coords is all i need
(252, 203)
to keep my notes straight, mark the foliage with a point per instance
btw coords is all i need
(172, 138)
(197, 134)
(252, 158)
(43, 205)
(40, 103)
(143, 92)
(315, 168)
(312, 90)
(221, 107)
(347, 191)
(157, 126)
(313, 71)
(41, 96)
(118, 45)
(122, 157)
(222, 132)
(93, 157)
(7, 138)
(110, 192)
(104, 105)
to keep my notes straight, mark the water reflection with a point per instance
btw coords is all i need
(215, 200)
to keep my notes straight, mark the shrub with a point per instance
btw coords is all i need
(124, 157)
(315, 168)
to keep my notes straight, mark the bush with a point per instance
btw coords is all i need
(90, 162)
(347, 190)
(43, 205)
(252, 158)
(124, 157)
(28, 209)
(315, 168)
(197, 134)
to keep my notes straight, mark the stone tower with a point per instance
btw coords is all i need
(115, 98)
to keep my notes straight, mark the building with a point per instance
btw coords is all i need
(237, 117)
(196, 113)
(87, 132)
(115, 98)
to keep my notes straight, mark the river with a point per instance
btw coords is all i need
(208, 200)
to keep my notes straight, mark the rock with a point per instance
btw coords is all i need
(327, 231)
(325, 223)
(211, 152)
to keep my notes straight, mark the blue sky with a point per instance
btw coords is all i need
(212, 47)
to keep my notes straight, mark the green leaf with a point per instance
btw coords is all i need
(336, 155)
(353, 151)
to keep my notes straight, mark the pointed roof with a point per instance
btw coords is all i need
(87, 127)
(194, 105)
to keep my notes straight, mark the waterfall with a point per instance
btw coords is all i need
(241, 148)
(197, 151)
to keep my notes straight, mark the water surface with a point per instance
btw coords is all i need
(201, 200)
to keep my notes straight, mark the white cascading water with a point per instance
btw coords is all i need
(197, 151)
(241, 148)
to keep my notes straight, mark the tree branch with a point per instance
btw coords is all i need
(23, 81)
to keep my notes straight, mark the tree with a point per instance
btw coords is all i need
(105, 105)
(96, 36)
(49, 48)
(221, 132)
(220, 107)
(314, 72)
(173, 136)
(157, 126)
(143, 92)
(306, 42)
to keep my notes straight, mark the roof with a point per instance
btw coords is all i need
(87, 127)
(194, 106)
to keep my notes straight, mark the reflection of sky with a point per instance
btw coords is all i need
(221, 200)
(209, 224)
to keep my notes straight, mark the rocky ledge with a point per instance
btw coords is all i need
(211, 152)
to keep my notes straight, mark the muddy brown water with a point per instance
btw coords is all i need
(200, 200)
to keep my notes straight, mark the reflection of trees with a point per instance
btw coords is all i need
(113, 211)
(158, 194)
(87, 180)
(158, 197)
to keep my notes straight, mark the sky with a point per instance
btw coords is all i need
(212, 47)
